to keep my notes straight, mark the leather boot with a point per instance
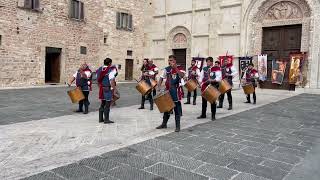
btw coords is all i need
(221, 97)
(142, 103)
(194, 100)
(248, 99)
(100, 115)
(230, 107)
(254, 98)
(86, 109)
(106, 114)
(151, 104)
(166, 117)
(177, 118)
(80, 107)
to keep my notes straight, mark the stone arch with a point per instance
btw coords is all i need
(180, 38)
(267, 13)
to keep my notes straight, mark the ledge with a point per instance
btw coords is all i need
(159, 16)
(158, 39)
(181, 12)
(200, 35)
(229, 5)
(203, 9)
(228, 34)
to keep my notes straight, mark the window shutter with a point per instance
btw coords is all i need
(118, 20)
(81, 10)
(124, 20)
(28, 4)
(71, 9)
(36, 4)
(130, 22)
(76, 9)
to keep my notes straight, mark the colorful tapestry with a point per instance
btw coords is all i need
(295, 73)
(199, 61)
(262, 67)
(244, 63)
(222, 58)
(278, 71)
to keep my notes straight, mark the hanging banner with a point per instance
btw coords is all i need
(278, 71)
(262, 67)
(244, 63)
(222, 58)
(199, 61)
(295, 73)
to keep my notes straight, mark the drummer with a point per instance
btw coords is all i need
(250, 75)
(154, 68)
(147, 72)
(83, 78)
(193, 74)
(172, 74)
(228, 73)
(209, 75)
(107, 87)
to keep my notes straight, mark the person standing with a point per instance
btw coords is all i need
(155, 69)
(228, 72)
(193, 74)
(250, 75)
(209, 75)
(83, 78)
(173, 75)
(107, 87)
(146, 74)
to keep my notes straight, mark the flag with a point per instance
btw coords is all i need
(262, 67)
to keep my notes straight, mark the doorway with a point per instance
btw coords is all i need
(53, 65)
(181, 55)
(278, 42)
(129, 70)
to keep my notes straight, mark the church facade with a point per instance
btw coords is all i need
(201, 28)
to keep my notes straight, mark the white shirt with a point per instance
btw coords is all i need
(218, 76)
(112, 74)
(88, 74)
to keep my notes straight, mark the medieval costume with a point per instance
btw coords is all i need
(228, 73)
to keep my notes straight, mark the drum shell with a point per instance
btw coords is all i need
(76, 95)
(164, 102)
(153, 83)
(191, 85)
(211, 94)
(143, 87)
(248, 89)
(224, 86)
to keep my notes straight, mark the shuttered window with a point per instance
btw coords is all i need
(32, 4)
(77, 9)
(124, 21)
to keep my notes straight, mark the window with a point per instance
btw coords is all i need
(129, 53)
(0, 40)
(83, 50)
(124, 21)
(32, 4)
(77, 10)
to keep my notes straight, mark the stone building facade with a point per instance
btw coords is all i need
(213, 27)
(43, 40)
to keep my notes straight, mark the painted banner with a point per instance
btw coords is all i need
(295, 73)
(244, 63)
(278, 71)
(262, 67)
(199, 62)
(222, 58)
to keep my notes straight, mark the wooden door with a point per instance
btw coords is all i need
(181, 55)
(278, 43)
(129, 70)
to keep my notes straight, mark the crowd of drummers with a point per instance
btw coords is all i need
(214, 80)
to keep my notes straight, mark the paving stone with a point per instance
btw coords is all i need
(287, 158)
(140, 150)
(254, 134)
(214, 159)
(174, 136)
(242, 166)
(271, 173)
(130, 173)
(175, 173)
(294, 152)
(176, 160)
(277, 164)
(216, 172)
(47, 175)
(292, 146)
(159, 144)
(290, 140)
(77, 172)
(221, 132)
(249, 138)
(109, 178)
(197, 141)
(246, 176)
(251, 143)
(244, 157)
(100, 164)
(222, 148)
(127, 158)
(226, 138)
(185, 150)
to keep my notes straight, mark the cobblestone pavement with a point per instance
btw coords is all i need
(21, 105)
(258, 144)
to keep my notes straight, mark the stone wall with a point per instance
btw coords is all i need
(26, 34)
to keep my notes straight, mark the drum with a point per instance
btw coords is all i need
(76, 95)
(191, 85)
(153, 83)
(211, 94)
(143, 87)
(224, 86)
(248, 88)
(164, 102)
